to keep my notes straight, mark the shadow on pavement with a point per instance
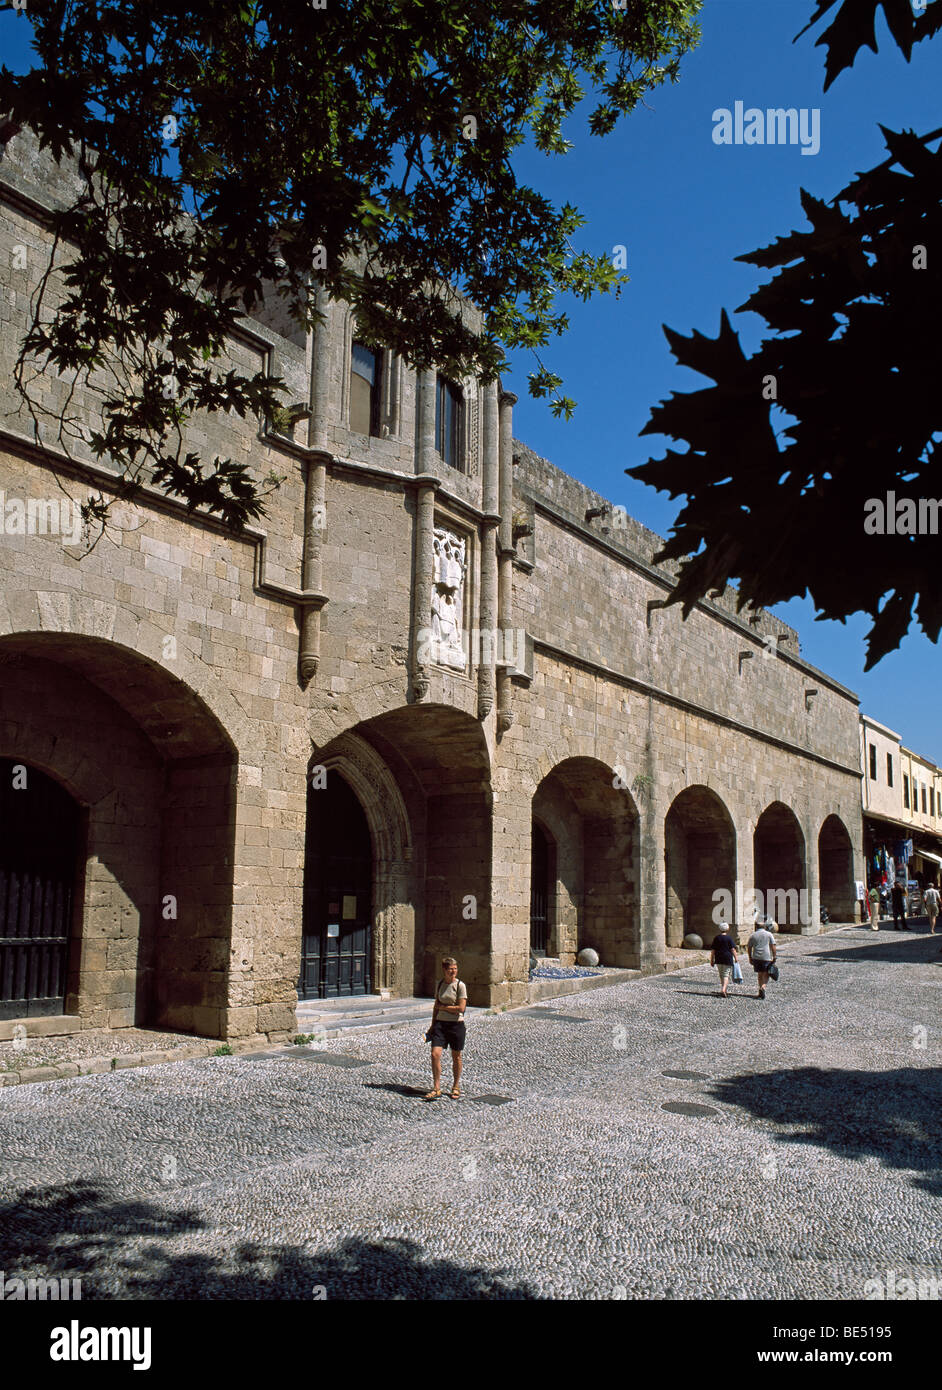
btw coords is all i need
(908, 948)
(895, 1116)
(76, 1231)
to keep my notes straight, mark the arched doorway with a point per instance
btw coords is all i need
(541, 894)
(154, 773)
(592, 833)
(700, 862)
(336, 939)
(40, 833)
(779, 860)
(836, 870)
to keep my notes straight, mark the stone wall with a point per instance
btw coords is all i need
(164, 662)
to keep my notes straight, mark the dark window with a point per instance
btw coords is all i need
(873, 763)
(889, 769)
(932, 801)
(923, 798)
(906, 791)
(365, 387)
(448, 409)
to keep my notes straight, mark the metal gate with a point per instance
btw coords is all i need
(336, 939)
(539, 880)
(39, 834)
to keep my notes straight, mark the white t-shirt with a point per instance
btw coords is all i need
(450, 992)
(931, 899)
(760, 944)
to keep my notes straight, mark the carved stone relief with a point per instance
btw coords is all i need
(449, 570)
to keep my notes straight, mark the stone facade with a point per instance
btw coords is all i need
(470, 650)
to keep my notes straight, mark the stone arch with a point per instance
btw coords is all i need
(779, 865)
(836, 884)
(422, 775)
(372, 782)
(700, 862)
(595, 827)
(156, 773)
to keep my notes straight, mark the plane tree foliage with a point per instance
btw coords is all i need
(839, 406)
(233, 151)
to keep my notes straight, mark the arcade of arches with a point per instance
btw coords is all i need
(130, 890)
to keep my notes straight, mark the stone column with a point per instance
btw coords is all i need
(489, 583)
(652, 895)
(315, 507)
(423, 551)
(505, 716)
(810, 904)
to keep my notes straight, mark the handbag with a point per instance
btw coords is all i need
(773, 971)
(737, 973)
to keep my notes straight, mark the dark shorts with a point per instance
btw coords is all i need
(447, 1035)
(762, 967)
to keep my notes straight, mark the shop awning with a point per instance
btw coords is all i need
(927, 854)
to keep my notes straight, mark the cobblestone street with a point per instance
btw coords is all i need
(813, 1167)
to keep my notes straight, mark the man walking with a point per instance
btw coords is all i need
(723, 954)
(762, 952)
(931, 899)
(899, 907)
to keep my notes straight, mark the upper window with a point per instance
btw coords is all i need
(906, 791)
(449, 405)
(932, 801)
(923, 798)
(365, 389)
(889, 769)
(873, 763)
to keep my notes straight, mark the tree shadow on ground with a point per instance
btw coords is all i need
(906, 948)
(894, 1116)
(120, 1248)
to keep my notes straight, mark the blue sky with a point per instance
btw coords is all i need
(684, 208)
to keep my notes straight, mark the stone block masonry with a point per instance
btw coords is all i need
(156, 679)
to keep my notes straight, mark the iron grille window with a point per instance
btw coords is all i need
(923, 798)
(365, 389)
(449, 408)
(889, 769)
(873, 763)
(905, 791)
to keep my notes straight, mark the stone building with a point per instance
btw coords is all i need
(435, 703)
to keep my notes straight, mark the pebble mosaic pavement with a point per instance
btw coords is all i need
(262, 1178)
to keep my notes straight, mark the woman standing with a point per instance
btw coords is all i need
(448, 1029)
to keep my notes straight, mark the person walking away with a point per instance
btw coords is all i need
(448, 1028)
(899, 907)
(723, 954)
(762, 952)
(931, 899)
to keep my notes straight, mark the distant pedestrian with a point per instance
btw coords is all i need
(873, 897)
(899, 907)
(724, 955)
(448, 1028)
(931, 899)
(762, 952)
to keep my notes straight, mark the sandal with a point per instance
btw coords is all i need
(456, 1092)
(433, 1095)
